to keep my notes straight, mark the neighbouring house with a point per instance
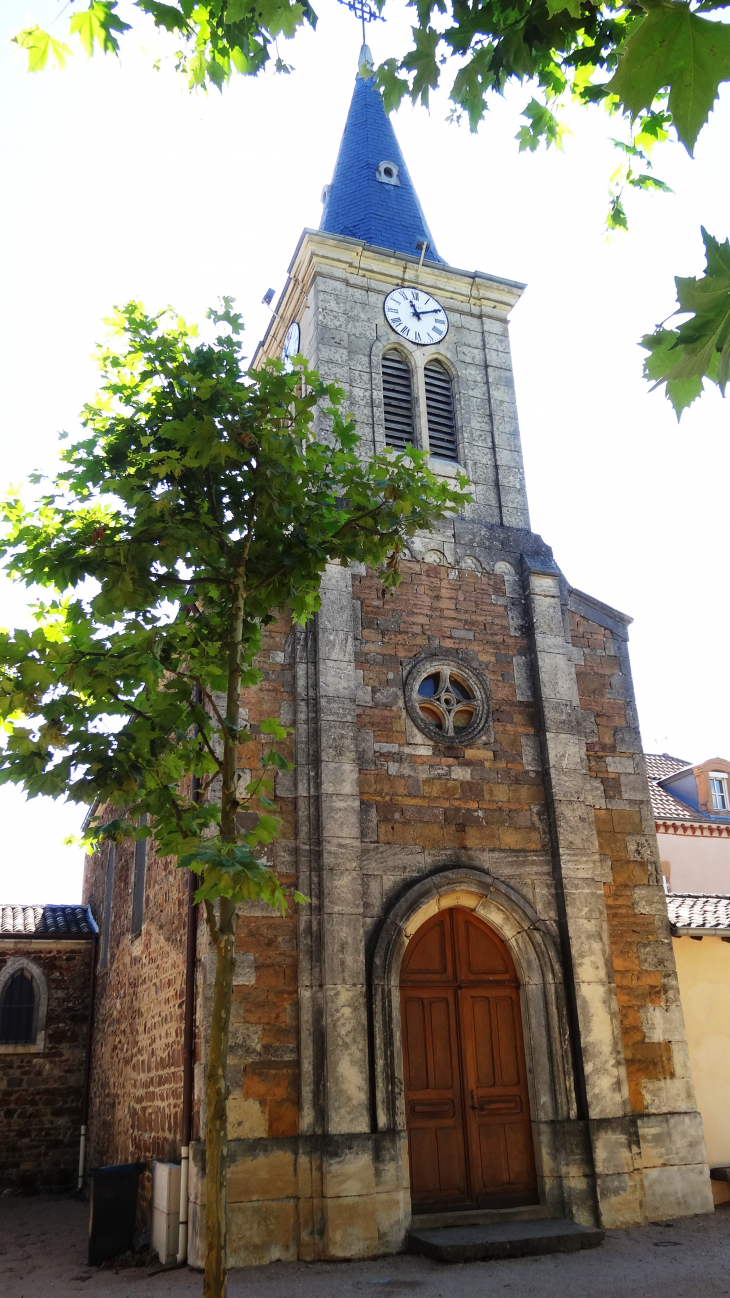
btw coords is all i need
(692, 820)
(46, 971)
(479, 1009)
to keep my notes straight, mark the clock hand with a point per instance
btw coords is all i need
(416, 313)
(434, 311)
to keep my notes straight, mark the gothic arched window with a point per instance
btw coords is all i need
(440, 411)
(397, 401)
(18, 1013)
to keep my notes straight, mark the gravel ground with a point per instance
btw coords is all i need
(42, 1255)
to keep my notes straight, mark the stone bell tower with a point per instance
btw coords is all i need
(481, 1000)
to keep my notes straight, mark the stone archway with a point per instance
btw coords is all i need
(533, 949)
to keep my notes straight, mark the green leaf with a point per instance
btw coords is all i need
(700, 347)
(708, 331)
(394, 88)
(645, 181)
(557, 6)
(662, 356)
(472, 82)
(544, 125)
(423, 63)
(674, 47)
(279, 17)
(237, 10)
(97, 24)
(616, 219)
(166, 16)
(39, 45)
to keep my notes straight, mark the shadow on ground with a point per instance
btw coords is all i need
(43, 1255)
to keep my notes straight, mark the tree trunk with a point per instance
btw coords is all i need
(216, 1093)
(223, 934)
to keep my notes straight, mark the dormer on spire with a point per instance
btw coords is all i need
(372, 195)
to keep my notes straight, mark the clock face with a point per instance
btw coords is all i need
(291, 344)
(416, 315)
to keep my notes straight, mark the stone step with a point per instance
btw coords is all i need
(507, 1239)
(479, 1216)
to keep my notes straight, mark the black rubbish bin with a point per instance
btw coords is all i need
(112, 1210)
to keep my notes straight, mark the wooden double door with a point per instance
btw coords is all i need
(467, 1106)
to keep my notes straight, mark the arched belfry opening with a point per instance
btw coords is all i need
(397, 401)
(465, 1080)
(440, 411)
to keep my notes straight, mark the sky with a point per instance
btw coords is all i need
(117, 183)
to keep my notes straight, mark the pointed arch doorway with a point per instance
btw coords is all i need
(466, 1098)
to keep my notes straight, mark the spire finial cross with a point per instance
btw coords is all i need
(362, 9)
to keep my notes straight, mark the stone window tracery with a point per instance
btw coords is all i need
(448, 700)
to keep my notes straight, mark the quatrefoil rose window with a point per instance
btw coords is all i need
(448, 701)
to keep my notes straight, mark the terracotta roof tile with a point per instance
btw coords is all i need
(664, 805)
(46, 921)
(660, 765)
(699, 910)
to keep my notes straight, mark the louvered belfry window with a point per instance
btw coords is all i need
(18, 1011)
(440, 412)
(397, 401)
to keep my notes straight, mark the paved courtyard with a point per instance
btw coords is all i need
(43, 1255)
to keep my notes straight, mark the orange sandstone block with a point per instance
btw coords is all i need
(526, 839)
(481, 836)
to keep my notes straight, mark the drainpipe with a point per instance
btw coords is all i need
(188, 1057)
(87, 1063)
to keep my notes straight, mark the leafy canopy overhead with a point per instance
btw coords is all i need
(203, 498)
(658, 63)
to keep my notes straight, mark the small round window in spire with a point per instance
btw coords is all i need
(387, 173)
(448, 700)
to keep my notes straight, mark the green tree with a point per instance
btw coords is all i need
(657, 63)
(200, 503)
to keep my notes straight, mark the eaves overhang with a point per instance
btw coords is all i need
(693, 828)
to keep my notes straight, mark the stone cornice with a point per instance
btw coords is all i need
(320, 253)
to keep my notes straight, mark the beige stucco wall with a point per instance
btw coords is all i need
(704, 983)
(696, 864)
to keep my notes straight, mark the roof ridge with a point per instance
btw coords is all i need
(724, 895)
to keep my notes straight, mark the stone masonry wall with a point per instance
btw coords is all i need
(647, 990)
(422, 801)
(41, 1094)
(263, 1065)
(137, 1071)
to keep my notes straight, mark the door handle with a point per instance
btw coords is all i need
(474, 1105)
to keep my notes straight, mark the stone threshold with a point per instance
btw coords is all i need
(508, 1239)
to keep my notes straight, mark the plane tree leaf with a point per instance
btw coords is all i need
(676, 48)
(39, 45)
(422, 62)
(99, 25)
(699, 348)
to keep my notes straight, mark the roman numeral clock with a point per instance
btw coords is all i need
(416, 315)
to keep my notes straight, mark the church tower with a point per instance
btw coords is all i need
(477, 1018)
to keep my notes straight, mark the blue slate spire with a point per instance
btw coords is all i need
(372, 195)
